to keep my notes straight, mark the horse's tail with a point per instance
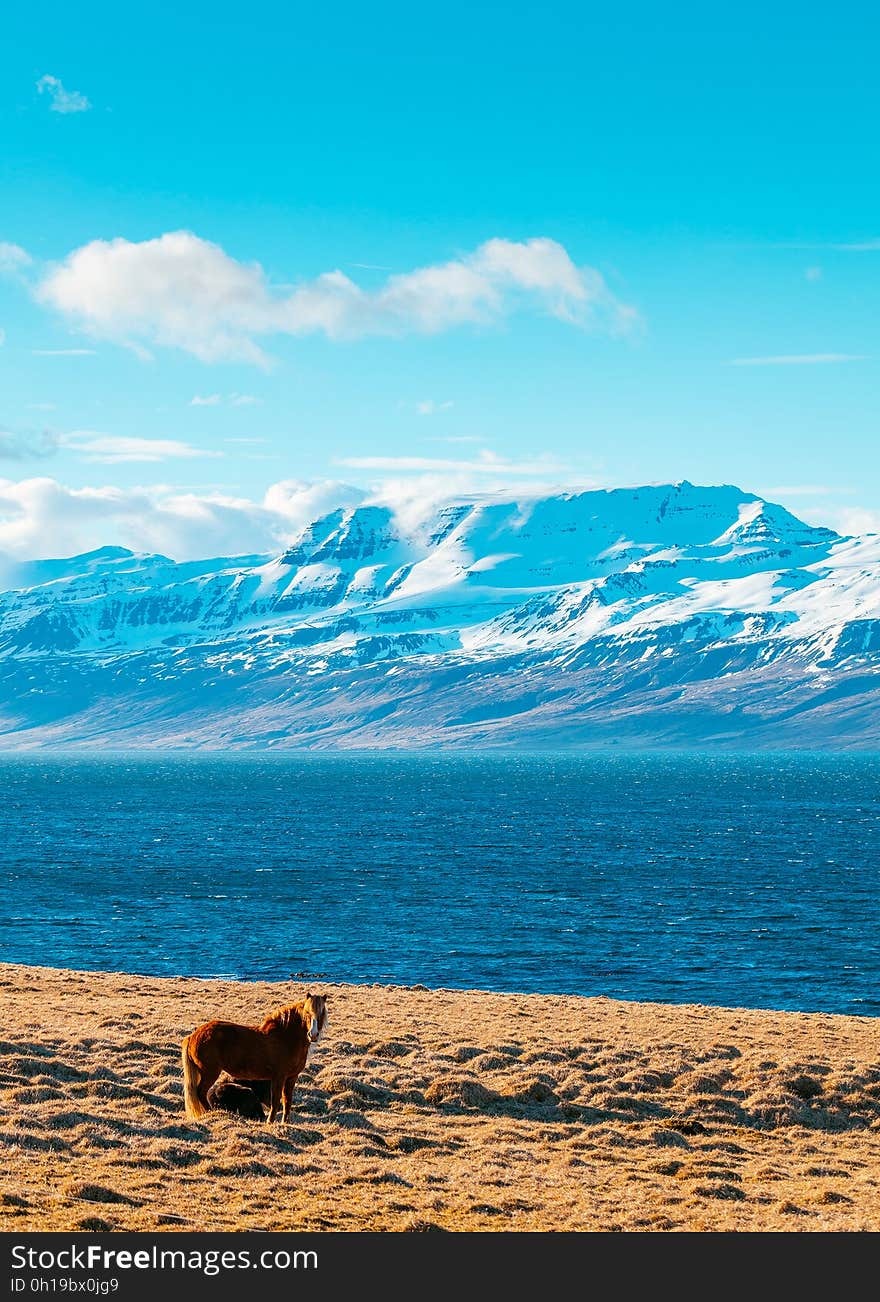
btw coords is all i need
(191, 1078)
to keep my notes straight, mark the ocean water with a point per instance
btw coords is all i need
(739, 880)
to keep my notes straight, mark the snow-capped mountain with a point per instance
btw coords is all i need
(673, 615)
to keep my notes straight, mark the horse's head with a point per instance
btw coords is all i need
(314, 1013)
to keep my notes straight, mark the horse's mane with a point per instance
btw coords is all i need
(281, 1019)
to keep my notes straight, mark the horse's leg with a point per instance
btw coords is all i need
(287, 1096)
(208, 1076)
(275, 1096)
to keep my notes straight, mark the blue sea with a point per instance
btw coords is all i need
(738, 880)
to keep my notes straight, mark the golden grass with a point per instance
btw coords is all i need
(437, 1109)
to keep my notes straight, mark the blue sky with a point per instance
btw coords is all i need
(653, 243)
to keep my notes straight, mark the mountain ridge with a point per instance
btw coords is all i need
(661, 615)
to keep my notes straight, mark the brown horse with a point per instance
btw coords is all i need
(275, 1051)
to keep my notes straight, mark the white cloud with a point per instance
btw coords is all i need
(486, 464)
(813, 273)
(41, 406)
(430, 408)
(855, 520)
(63, 101)
(845, 520)
(800, 359)
(63, 352)
(297, 502)
(111, 449)
(42, 517)
(13, 258)
(233, 399)
(180, 291)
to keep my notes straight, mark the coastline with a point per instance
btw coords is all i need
(437, 1109)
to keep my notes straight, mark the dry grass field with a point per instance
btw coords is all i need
(424, 1110)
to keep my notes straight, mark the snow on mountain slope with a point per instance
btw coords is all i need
(675, 613)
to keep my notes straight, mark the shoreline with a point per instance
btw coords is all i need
(437, 1109)
(316, 979)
